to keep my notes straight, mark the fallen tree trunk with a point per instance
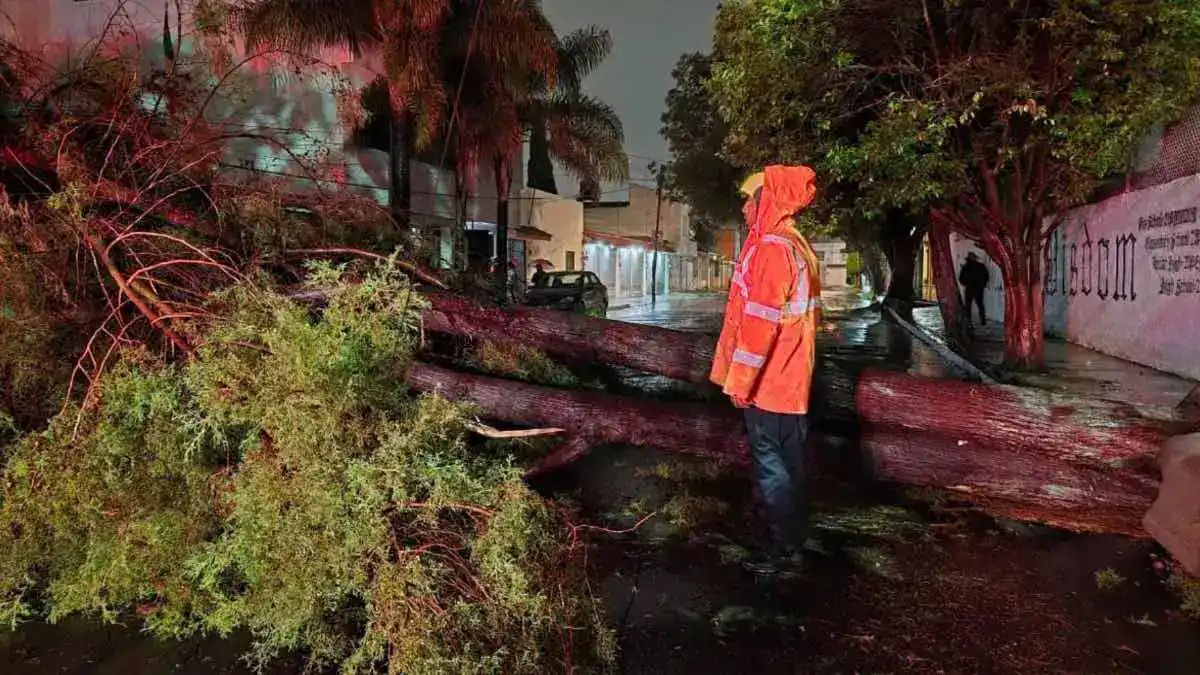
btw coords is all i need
(591, 418)
(1016, 420)
(574, 337)
(1041, 481)
(997, 415)
(1021, 485)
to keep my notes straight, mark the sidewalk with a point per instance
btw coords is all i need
(1069, 368)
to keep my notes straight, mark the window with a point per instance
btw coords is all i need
(820, 256)
(570, 260)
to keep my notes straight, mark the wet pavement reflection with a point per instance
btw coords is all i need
(863, 335)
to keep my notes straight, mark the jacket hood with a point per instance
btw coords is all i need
(786, 190)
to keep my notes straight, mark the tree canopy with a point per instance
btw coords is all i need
(699, 174)
(990, 115)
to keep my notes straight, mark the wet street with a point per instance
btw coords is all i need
(907, 581)
(903, 581)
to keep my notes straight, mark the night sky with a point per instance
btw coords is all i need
(650, 36)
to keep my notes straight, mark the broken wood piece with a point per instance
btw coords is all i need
(492, 432)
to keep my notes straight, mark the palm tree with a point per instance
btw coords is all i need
(580, 132)
(498, 109)
(413, 39)
(491, 88)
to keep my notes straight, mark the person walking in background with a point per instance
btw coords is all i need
(974, 278)
(765, 355)
(516, 284)
(539, 276)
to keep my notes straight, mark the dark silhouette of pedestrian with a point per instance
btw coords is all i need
(974, 278)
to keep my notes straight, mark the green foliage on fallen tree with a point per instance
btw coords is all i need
(284, 482)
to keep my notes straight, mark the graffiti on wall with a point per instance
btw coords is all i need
(1174, 251)
(1108, 267)
(1105, 267)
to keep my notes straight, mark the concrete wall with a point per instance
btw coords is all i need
(637, 219)
(561, 217)
(1123, 277)
(832, 255)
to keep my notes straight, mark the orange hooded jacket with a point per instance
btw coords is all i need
(767, 348)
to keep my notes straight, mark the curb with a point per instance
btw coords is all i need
(942, 349)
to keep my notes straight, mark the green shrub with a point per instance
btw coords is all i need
(522, 363)
(285, 483)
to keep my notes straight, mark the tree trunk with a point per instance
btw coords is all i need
(701, 430)
(576, 337)
(1053, 460)
(1026, 486)
(462, 196)
(1015, 420)
(945, 279)
(1024, 310)
(501, 172)
(540, 168)
(901, 243)
(873, 268)
(400, 168)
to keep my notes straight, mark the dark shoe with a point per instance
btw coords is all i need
(763, 565)
(773, 564)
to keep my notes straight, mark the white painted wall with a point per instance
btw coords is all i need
(832, 254)
(1123, 277)
(561, 217)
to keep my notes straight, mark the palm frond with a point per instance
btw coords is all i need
(579, 53)
(307, 25)
(586, 137)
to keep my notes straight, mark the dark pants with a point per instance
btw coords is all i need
(777, 449)
(975, 295)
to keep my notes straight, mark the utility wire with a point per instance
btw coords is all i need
(373, 186)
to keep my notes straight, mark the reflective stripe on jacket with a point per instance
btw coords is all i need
(766, 351)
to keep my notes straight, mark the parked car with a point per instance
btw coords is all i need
(573, 291)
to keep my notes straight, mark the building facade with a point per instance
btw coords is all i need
(831, 255)
(620, 247)
(290, 127)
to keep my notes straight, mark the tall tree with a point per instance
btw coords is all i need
(579, 132)
(413, 41)
(695, 133)
(991, 116)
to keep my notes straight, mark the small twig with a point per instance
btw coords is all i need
(605, 530)
(447, 505)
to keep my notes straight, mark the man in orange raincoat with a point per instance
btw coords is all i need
(764, 358)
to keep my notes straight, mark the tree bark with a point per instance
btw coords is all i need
(1081, 431)
(400, 169)
(540, 168)
(901, 241)
(1024, 310)
(576, 337)
(503, 179)
(1023, 486)
(701, 430)
(945, 279)
(1021, 454)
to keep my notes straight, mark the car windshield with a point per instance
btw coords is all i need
(564, 279)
